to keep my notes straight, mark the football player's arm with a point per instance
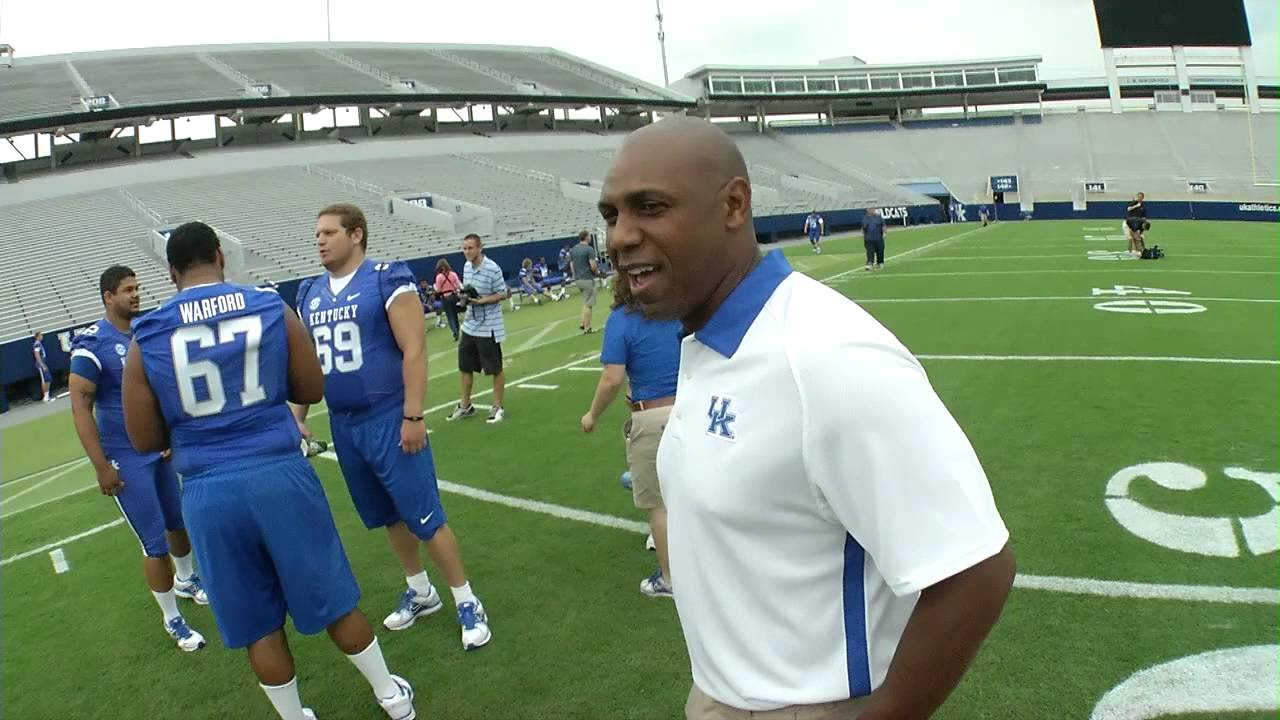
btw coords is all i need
(84, 393)
(406, 318)
(306, 381)
(142, 419)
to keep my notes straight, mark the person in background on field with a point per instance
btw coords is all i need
(813, 227)
(646, 354)
(483, 330)
(873, 232)
(531, 285)
(427, 294)
(582, 259)
(42, 367)
(447, 287)
(833, 536)
(1135, 218)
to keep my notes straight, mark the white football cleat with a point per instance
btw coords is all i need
(399, 707)
(649, 544)
(188, 640)
(308, 713)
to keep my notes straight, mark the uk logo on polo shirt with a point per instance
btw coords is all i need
(721, 418)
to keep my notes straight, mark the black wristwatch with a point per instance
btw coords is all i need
(413, 418)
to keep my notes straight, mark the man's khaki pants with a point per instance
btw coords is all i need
(701, 707)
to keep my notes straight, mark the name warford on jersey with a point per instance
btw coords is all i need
(200, 310)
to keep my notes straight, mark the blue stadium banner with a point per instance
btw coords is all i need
(1004, 183)
(1095, 186)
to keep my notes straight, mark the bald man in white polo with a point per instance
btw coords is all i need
(835, 548)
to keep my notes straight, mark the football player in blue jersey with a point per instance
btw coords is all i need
(366, 323)
(143, 485)
(210, 374)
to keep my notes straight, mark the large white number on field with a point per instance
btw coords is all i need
(187, 371)
(331, 344)
(1211, 683)
(1200, 535)
(1150, 307)
(1125, 290)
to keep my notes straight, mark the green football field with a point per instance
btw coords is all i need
(1125, 411)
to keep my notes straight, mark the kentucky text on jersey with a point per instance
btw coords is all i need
(205, 308)
(322, 317)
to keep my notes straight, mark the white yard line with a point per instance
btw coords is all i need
(1137, 266)
(1079, 256)
(64, 471)
(40, 473)
(535, 386)
(1104, 358)
(899, 256)
(1031, 298)
(46, 501)
(537, 337)
(60, 543)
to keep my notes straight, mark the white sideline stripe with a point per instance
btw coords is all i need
(46, 481)
(1095, 298)
(1106, 358)
(1052, 583)
(937, 258)
(46, 501)
(899, 256)
(1146, 268)
(584, 369)
(537, 506)
(535, 386)
(40, 473)
(60, 543)
(1149, 591)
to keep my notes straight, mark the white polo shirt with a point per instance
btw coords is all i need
(815, 483)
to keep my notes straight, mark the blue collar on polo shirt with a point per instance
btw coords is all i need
(726, 328)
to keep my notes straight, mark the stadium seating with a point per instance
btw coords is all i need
(54, 251)
(1138, 151)
(268, 199)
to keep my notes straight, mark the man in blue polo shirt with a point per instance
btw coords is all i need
(647, 354)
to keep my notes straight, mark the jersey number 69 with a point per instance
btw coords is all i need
(338, 348)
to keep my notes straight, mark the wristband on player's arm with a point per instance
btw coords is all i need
(413, 418)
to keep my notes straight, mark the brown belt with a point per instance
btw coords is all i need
(638, 405)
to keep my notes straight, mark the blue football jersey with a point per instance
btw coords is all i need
(97, 354)
(362, 363)
(217, 357)
(41, 359)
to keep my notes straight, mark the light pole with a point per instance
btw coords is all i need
(328, 31)
(662, 44)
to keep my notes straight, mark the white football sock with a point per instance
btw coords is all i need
(463, 594)
(184, 566)
(374, 668)
(284, 698)
(421, 583)
(168, 603)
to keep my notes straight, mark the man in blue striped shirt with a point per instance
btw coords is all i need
(480, 349)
